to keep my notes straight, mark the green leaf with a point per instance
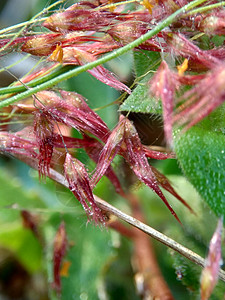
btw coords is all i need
(23, 244)
(140, 101)
(13, 237)
(201, 153)
(145, 63)
(12, 192)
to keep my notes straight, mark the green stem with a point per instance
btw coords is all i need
(22, 24)
(14, 64)
(104, 59)
(113, 5)
(205, 8)
(35, 82)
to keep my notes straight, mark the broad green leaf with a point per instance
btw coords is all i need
(140, 101)
(145, 63)
(201, 154)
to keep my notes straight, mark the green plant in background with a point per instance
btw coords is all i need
(102, 146)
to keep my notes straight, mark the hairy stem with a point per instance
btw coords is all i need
(205, 8)
(20, 88)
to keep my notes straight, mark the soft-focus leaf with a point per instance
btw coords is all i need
(89, 249)
(13, 236)
(187, 272)
(23, 244)
(9, 187)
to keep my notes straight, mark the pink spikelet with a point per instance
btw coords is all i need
(111, 148)
(163, 85)
(199, 102)
(137, 160)
(124, 140)
(44, 133)
(70, 109)
(79, 185)
(94, 153)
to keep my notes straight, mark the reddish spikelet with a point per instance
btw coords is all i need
(74, 18)
(72, 111)
(171, 6)
(15, 143)
(84, 16)
(163, 86)
(190, 79)
(59, 250)
(199, 101)
(197, 58)
(44, 133)
(164, 183)
(137, 160)
(127, 32)
(46, 44)
(37, 74)
(210, 273)
(103, 45)
(212, 24)
(94, 152)
(111, 148)
(77, 101)
(77, 56)
(42, 45)
(124, 140)
(79, 185)
(16, 42)
(60, 141)
(157, 155)
(219, 52)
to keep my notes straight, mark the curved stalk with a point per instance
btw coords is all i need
(74, 72)
(205, 8)
(162, 238)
